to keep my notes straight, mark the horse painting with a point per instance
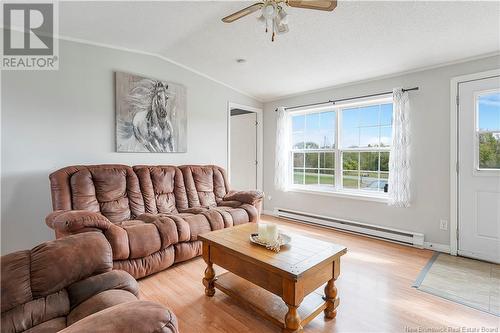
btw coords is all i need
(147, 116)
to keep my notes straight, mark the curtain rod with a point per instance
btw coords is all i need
(345, 99)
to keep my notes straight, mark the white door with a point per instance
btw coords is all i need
(243, 154)
(479, 169)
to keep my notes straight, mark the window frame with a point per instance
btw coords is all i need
(337, 189)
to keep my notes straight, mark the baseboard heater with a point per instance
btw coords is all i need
(369, 230)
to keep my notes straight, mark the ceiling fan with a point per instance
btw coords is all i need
(274, 15)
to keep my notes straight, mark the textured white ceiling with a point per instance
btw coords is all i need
(357, 41)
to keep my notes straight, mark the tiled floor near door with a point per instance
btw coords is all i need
(467, 281)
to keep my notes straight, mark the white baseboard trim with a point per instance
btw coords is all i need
(368, 230)
(437, 247)
(427, 245)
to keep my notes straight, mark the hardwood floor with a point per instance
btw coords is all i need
(374, 288)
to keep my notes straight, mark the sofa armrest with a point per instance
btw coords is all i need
(76, 221)
(116, 279)
(248, 197)
(137, 317)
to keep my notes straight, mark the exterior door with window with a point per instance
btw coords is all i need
(479, 169)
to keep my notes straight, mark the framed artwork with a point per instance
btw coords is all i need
(150, 115)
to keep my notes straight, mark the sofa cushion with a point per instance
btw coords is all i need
(112, 190)
(198, 224)
(144, 238)
(137, 317)
(99, 302)
(187, 250)
(166, 226)
(35, 312)
(162, 188)
(153, 263)
(82, 290)
(15, 279)
(214, 218)
(233, 216)
(56, 264)
(205, 185)
(118, 239)
(183, 230)
(50, 326)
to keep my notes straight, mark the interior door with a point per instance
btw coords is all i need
(479, 169)
(243, 153)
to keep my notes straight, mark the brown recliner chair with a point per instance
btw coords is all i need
(151, 215)
(68, 285)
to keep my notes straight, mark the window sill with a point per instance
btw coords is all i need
(379, 197)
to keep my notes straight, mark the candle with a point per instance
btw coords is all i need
(272, 232)
(262, 227)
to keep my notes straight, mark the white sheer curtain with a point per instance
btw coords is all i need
(281, 162)
(399, 160)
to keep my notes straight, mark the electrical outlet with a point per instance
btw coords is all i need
(443, 224)
(269, 198)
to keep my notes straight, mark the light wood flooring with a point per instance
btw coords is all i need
(374, 288)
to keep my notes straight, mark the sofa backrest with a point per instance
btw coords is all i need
(120, 192)
(205, 184)
(111, 189)
(34, 281)
(162, 188)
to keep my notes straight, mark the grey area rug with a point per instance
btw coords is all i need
(466, 281)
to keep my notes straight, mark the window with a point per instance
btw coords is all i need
(313, 148)
(488, 130)
(342, 148)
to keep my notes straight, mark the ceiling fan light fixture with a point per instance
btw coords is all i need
(273, 14)
(269, 10)
(283, 16)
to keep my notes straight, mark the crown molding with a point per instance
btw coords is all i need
(159, 56)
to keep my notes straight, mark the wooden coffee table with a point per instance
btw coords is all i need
(279, 286)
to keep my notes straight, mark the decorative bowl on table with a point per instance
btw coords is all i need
(275, 246)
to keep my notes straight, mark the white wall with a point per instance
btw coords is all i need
(51, 119)
(430, 117)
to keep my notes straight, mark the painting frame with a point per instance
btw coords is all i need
(150, 114)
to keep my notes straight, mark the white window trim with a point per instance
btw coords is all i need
(477, 170)
(337, 191)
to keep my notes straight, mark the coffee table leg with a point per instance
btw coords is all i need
(332, 301)
(209, 279)
(292, 320)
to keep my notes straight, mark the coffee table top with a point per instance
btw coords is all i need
(302, 254)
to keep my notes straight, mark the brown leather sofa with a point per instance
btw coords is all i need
(68, 286)
(151, 215)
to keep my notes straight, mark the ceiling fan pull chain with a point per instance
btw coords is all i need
(274, 32)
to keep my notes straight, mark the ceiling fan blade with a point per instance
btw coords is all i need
(242, 13)
(313, 4)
